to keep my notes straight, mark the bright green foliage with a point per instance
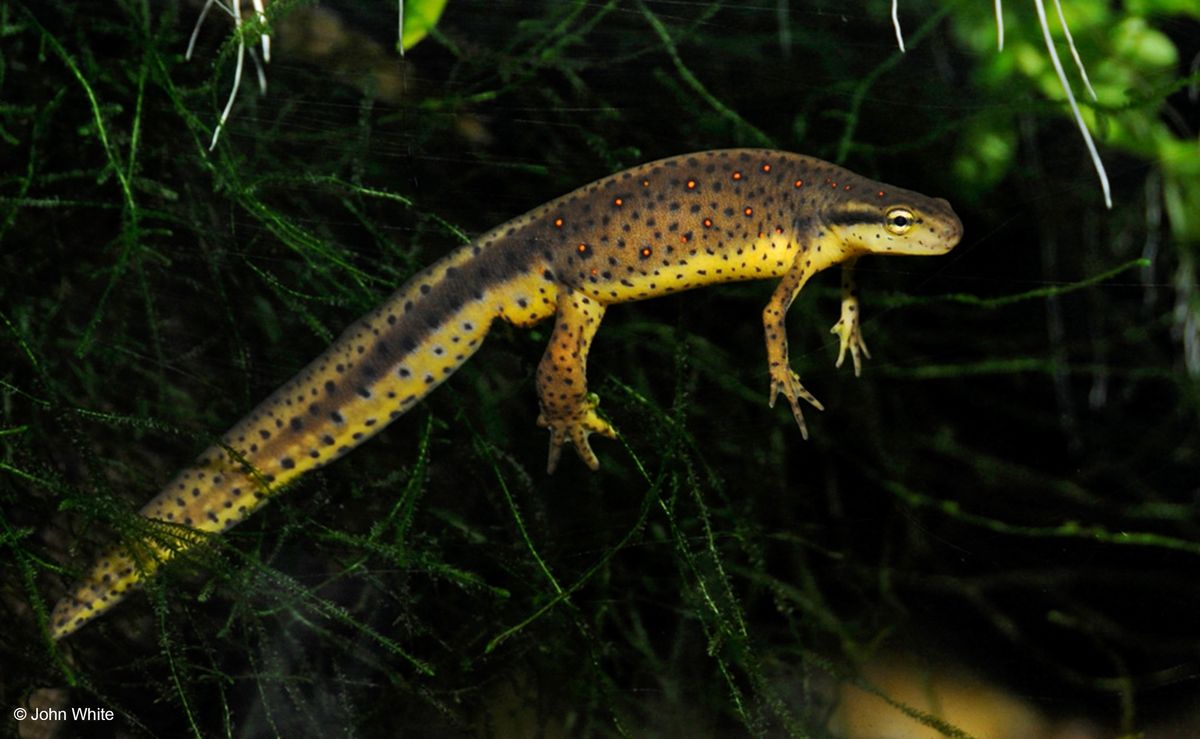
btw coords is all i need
(1010, 486)
(1164, 7)
(420, 17)
(988, 154)
(1129, 63)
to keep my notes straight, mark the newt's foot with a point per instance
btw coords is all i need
(848, 331)
(576, 428)
(785, 380)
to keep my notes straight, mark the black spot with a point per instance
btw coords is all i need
(364, 392)
(297, 424)
(336, 417)
(287, 463)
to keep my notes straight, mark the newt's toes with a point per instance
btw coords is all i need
(576, 430)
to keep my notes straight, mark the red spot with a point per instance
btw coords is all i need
(799, 183)
(595, 271)
(646, 251)
(778, 230)
(645, 183)
(618, 202)
(748, 211)
(832, 184)
(737, 175)
(846, 188)
(766, 168)
(708, 223)
(684, 238)
(691, 184)
(582, 248)
(879, 194)
(558, 223)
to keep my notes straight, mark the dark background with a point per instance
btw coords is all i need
(1011, 487)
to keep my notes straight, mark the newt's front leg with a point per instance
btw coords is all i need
(567, 408)
(847, 329)
(783, 378)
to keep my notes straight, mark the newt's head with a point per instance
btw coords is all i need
(891, 220)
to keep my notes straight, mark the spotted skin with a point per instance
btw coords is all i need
(656, 229)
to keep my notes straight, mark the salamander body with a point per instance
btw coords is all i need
(655, 229)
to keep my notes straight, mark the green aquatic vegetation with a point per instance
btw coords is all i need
(1011, 481)
(1133, 67)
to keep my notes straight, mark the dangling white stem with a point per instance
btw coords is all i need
(1062, 78)
(896, 24)
(262, 73)
(237, 75)
(1074, 53)
(196, 30)
(999, 26)
(260, 12)
(400, 25)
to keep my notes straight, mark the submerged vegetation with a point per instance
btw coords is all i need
(1010, 487)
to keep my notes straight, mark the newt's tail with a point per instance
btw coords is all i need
(380, 368)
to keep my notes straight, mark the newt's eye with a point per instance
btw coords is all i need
(899, 221)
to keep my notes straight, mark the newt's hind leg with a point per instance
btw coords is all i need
(567, 408)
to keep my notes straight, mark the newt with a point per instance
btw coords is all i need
(658, 228)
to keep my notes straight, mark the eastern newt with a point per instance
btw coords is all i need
(658, 228)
